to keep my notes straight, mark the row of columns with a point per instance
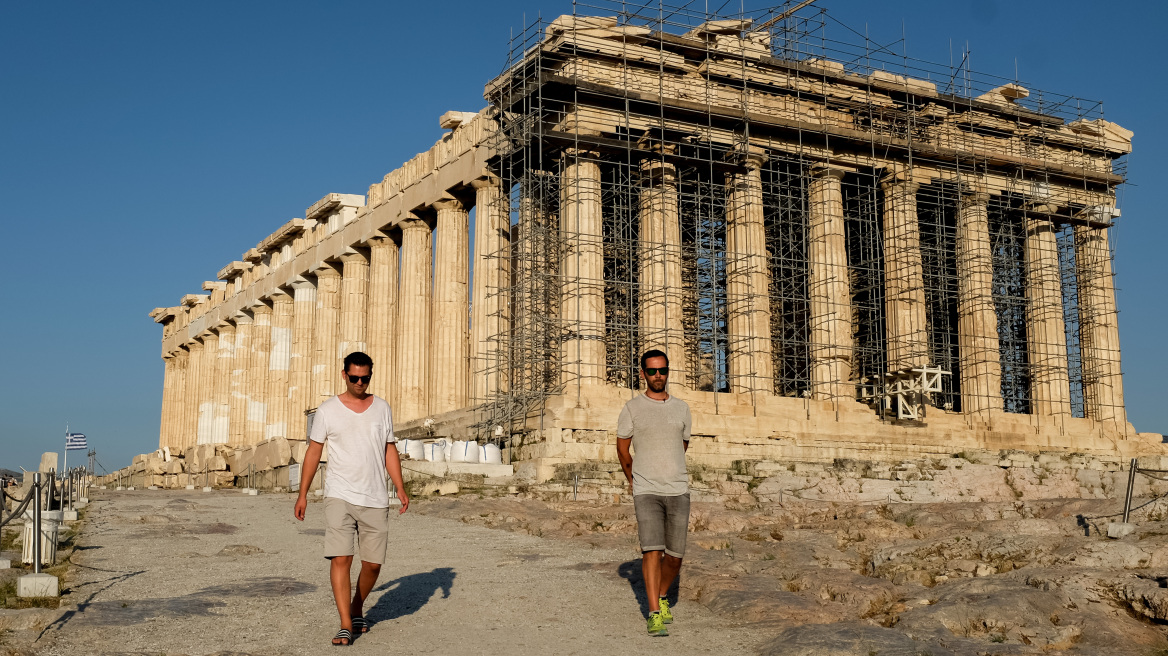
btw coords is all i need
(750, 363)
(407, 304)
(254, 376)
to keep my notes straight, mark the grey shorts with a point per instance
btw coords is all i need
(662, 522)
(345, 522)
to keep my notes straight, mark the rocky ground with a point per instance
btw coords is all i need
(827, 578)
(192, 573)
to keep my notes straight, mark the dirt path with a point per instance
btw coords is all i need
(192, 573)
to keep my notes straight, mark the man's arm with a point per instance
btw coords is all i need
(393, 467)
(626, 458)
(307, 473)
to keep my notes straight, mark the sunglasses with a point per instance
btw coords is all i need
(653, 371)
(364, 379)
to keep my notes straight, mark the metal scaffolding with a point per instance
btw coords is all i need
(712, 99)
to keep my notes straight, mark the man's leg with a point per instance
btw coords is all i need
(670, 566)
(372, 538)
(342, 584)
(365, 581)
(676, 529)
(651, 572)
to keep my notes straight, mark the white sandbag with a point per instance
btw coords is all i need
(436, 452)
(449, 450)
(416, 450)
(491, 455)
(403, 447)
(465, 452)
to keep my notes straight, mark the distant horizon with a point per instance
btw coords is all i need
(154, 143)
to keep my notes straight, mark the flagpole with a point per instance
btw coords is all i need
(66, 465)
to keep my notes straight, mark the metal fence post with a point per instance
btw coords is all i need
(1131, 486)
(36, 520)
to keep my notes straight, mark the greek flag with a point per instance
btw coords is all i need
(75, 442)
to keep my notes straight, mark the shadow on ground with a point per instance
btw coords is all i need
(631, 572)
(408, 594)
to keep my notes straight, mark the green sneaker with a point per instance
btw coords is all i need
(666, 614)
(656, 624)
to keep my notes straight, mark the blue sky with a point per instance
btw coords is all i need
(147, 144)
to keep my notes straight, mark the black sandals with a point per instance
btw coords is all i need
(343, 634)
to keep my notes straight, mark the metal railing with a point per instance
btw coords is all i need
(1133, 469)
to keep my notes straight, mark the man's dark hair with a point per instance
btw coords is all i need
(358, 358)
(654, 353)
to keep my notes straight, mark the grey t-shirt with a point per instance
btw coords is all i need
(659, 430)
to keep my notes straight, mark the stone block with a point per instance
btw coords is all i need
(48, 462)
(5, 563)
(175, 466)
(279, 452)
(154, 465)
(69, 515)
(38, 585)
(1118, 530)
(216, 464)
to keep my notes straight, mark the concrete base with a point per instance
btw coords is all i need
(131, 488)
(119, 488)
(5, 563)
(246, 490)
(190, 487)
(253, 492)
(319, 493)
(152, 487)
(207, 489)
(101, 487)
(84, 501)
(69, 516)
(1117, 530)
(38, 585)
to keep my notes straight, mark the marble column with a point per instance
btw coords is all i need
(583, 353)
(904, 285)
(224, 366)
(828, 288)
(413, 335)
(977, 319)
(1046, 329)
(326, 366)
(301, 393)
(659, 247)
(449, 380)
(166, 423)
(492, 274)
(240, 383)
(748, 279)
(278, 388)
(194, 394)
(381, 317)
(179, 414)
(354, 298)
(257, 377)
(1099, 327)
(206, 427)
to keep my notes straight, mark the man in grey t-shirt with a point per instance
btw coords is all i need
(657, 426)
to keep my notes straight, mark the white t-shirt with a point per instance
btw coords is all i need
(356, 450)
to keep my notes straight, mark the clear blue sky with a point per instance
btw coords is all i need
(146, 144)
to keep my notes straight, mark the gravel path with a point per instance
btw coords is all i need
(181, 572)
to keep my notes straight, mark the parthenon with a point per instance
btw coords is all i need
(845, 253)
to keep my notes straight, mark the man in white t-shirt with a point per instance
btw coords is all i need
(359, 429)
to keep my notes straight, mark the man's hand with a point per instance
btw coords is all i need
(405, 502)
(301, 506)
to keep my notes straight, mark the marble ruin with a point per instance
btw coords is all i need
(841, 261)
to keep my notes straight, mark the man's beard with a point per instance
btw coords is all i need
(657, 388)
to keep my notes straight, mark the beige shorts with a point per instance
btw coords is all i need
(345, 522)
